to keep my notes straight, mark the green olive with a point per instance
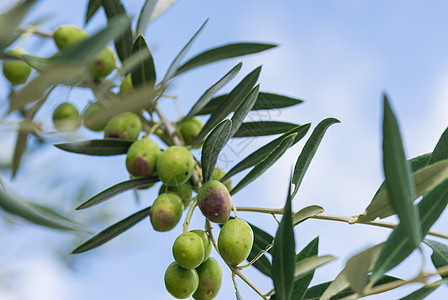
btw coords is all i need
(235, 241)
(179, 282)
(15, 70)
(190, 130)
(66, 117)
(175, 165)
(210, 279)
(104, 63)
(90, 119)
(66, 36)
(206, 241)
(188, 250)
(123, 126)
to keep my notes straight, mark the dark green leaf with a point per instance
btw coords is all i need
(92, 8)
(145, 73)
(104, 147)
(243, 109)
(134, 183)
(231, 103)
(265, 101)
(262, 263)
(398, 176)
(283, 254)
(439, 255)
(207, 96)
(421, 293)
(223, 52)
(308, 151)
(112, 231)
(306, 213)
(261, 238)
(213, 145)
(441, 150)
(28, 211)
(123, 43)
(399, 246)
(264, 151)
(145, 16)
(301, 285)
(175, 64)
(265, 164)
(263, 128)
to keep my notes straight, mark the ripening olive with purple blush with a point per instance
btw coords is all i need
(126, 126)
(166, 212)
(214, 201)
(142, 157)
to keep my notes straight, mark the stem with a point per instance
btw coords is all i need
(34, 30)
(189, 214)
(349, 220)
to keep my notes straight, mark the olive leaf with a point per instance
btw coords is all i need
(105, 147)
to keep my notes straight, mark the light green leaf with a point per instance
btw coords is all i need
(134, 183)
(176, 62)
(308, 151)
(112, 231)
(231, 103)
(207, 96)
(398, 176)
(265, 164)
(399, 246)
(263, 128)
(306, 213)
(260, 154)
(105, 147)
(145, 73)
(243, 109)
(265, 101)
(309, 264)
(123, 41)
(301, 285)
(439, 255)
(92, 8)
(145, 16)
(424, 180)
(283, 254)
(223, 52)
(213, 145)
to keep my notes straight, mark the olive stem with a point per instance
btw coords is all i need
(349, 220)
(34, 30)
(189, 214)
(262, 252)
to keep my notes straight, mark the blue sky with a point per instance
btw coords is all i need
(339, 56)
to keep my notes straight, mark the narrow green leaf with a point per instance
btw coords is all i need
(399, 246)
(398, 179)
(223, 52)
(260, 154)
(261, 238)
(92, 8)
(104, 147)
(441, 150)
(27, 211)
(309, 264)
(265, 101)
(175, 64)
(306, 213)
(262, 264)
(213, 145)
(263, 128)
(424, 180)
(308, 151)
(145, 73)
(207, 96)
(421, 293)
(112, 231)
(265, 164)
(345, 277)
(37, 63)
(439, 255)
(315, 292)
(243, 109)
(145, 16)
(134, 183)
(283, 254)
(301, 285)
(231, 103)
(123, 42)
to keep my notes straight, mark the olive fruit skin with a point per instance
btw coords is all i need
(89, 119)
(183, 190)
(190, 130)
(66, 36)
(179, 282)
(16, 71)
(126, 86)
(214, 201)
(165, 212)
(210, 279)
(123, 126)
(206, 242)
(188, 250)
(66, 117)
(104, 63)
(142, 157)
(218, 174)
(175, 165)
(235, 241)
